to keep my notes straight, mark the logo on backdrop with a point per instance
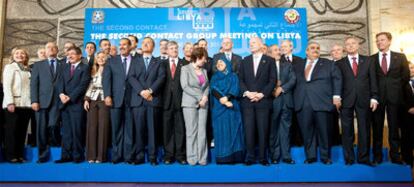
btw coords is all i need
(203, 21)
(292, 16)
(98, 16)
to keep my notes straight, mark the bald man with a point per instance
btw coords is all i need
(227, 55)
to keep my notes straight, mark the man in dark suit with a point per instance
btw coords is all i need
(45, 98)
(279, 144)
(317, 93)
(90, 49)
(257, 80)
(286, 48)
(392, 75)
(117, 94)
(134, 43)
(208, 65)
(105, 46)
(359, 95)
(147, 80)
(66, 46)
(72, 87)
(227, 47)
(163, 50)
(172, 122)
(407, 129)
(337, 53)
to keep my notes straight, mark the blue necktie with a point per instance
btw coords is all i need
(146, 63)
(52, 66)
(124, 64)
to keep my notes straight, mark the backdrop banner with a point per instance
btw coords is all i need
(190, 24)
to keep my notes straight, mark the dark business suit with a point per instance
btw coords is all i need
(146, 114)
(115, 85)
(390, 91)
(256, 115)
(357, 92)
(279, 144)
(314, 104)
(336, 137)
(235, 61)
(407, 129)
(296, 138)
(73, 127)
(44, 90)
(172, 117)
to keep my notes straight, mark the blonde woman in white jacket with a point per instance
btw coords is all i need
(17, 103)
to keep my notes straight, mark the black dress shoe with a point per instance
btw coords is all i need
(41, 160)
(274, 161)
(63, 160)
(116, 161)
(349, 162)
(153, 162)
(310, 161)
(248, 163)
(327, 161)
(264, 163)
(77, 160)
(182, 162)
(168, 161)
(14, 161)
(367, 163)
(397, 161)
(131, 162)
(376, 162)
(288, 161)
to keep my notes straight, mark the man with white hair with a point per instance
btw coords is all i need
(257, 80)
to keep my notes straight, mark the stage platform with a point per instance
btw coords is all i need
(212, 173)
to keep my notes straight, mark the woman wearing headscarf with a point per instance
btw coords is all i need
(226, 116)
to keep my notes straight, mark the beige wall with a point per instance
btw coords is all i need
(2, 22)
(397, 17)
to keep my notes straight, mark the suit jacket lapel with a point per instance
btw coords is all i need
(47, 66)
(316, 69)
(348, 64)
(393, 60)
(262, 62)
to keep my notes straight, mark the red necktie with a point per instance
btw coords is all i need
(354, 66)
(173, 67)
(72, 70)
(384, 63)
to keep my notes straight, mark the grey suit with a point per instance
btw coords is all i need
(43, 90)
(195, 117)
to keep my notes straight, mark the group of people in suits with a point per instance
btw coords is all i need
(141, 103)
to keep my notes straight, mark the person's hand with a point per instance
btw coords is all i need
(203, 102)
(250, 95)
(145, 94)
(373, 106)
(337, 103)
(149, 98)
(411, 110)
(223, 100)
(278, 91)
(257, 97)
(64, 98)
(11, 108)
(86, 105)
(108, 101)
(35, 107)
(228, 104)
